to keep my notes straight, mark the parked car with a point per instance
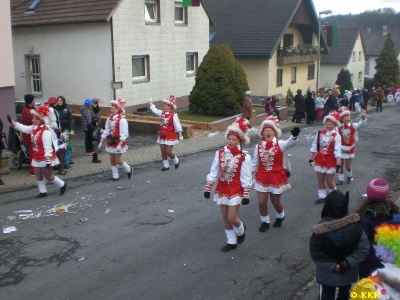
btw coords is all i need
(19, 105)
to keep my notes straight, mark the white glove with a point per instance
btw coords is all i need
(180, 138)
(72, 132)
(151, 101)
(99, 146)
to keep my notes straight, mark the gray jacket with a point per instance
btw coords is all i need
(335, 237)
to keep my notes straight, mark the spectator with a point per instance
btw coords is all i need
(2, 147)
(374, 211)
(366, 97)
(310, 108)
(268, 106)
(337, 246)
(87, 115)
(331, 103)
(276, 110)
(379, 98)
(319, 105)
(27, 121)
(299, 107)
(247, 106)
(67, 127)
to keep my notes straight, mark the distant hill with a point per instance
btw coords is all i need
(374, 19)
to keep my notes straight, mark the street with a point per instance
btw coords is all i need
(156, 237)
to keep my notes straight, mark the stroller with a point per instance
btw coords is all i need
(22, 152)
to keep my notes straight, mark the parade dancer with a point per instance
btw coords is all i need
(326, 154)
(115, 134)
(231, 169)
(44, 157)
(271, 178)
(349, 135)
(170, 125)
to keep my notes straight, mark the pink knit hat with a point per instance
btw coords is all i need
(378, 189)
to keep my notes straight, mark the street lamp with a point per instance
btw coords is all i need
(324, 12)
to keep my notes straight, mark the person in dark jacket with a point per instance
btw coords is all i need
(65, 115)
(310, 108)
(87, 115)
(299, 107)
(337, 246)
(2, 147)
(331, 103)
(374, 211)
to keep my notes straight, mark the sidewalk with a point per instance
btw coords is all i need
(83, 166)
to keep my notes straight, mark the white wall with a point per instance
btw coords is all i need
(166, 44)
(328, 74)
(358, 65)
(75, 60)
(6, 57)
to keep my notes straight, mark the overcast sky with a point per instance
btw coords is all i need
(345, 7)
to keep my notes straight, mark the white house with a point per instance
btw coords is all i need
(108, 49)
(348, 54)
(374, 41)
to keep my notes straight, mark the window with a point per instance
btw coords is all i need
(352, 77)
(293, 74)
(36, 77)
(279, 76)
(287, 40)
(359, 55)
(354, 56)
(311, 72)
(367, 67)
(191, 63)
(360, 76)
(140, 68)
(180, 13)
(152, 11)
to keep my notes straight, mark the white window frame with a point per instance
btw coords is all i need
(367, 68)
(183, 11)
(359, 55)
(153, 6)
(354, 56)
(279, 77)
(360, 76)
(192, 63)
(142, 62)
(309, 75)
(35, 75)
(293, 72)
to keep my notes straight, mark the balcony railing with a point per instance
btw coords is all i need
(297, 55)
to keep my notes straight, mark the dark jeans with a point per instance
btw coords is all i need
(88, 141)
(378, 105)
(328, 292)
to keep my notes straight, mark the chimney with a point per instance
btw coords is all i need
(368, 30)
(384, 30)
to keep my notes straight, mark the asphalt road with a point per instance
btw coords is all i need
(156, 237)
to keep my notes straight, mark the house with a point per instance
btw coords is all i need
(374, 41)
(348, 54)
(6, 66)
(108, 49)
(275, 41)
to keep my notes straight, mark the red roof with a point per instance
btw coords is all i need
(51, 12)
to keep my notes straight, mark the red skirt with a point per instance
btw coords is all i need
(325, 163)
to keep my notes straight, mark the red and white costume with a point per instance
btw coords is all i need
(170, 125)
(326, 151)
(42, 144)
(231, 169)
(268, 161)
(349, 134)
(116, 126)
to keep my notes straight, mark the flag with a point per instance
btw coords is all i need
(332, 35)
(186, 3)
